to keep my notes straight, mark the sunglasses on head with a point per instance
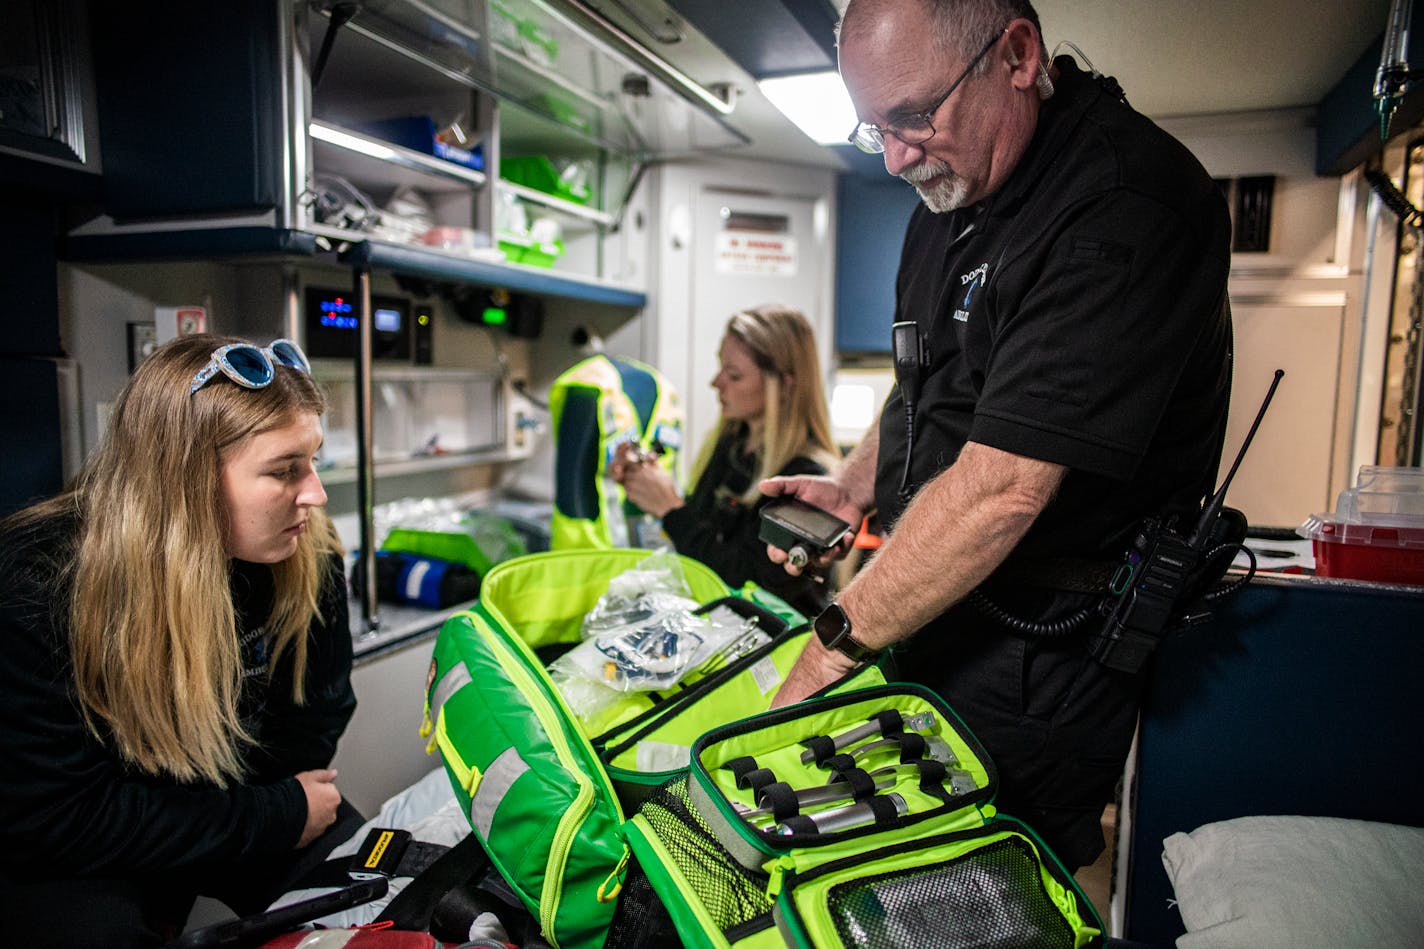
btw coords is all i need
(252, 367)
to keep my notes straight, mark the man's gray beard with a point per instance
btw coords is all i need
(947, 194)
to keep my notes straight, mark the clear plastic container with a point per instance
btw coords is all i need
(1377, 530)
(1384, 495)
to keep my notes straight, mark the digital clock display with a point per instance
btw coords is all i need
(332, 318)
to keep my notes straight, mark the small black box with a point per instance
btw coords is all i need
(791, 522)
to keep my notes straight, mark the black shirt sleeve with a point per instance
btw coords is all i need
(71, 806)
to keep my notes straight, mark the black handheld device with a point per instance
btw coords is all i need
(911, 356)
(1167, 576)
(803, 530)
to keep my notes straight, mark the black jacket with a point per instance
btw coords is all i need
(72, 807)
(714, 527)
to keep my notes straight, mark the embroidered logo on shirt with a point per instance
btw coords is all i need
(971, 281)
(255, 648)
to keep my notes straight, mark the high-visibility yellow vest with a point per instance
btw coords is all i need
(596, 406)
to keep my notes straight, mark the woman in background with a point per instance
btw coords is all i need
(174, 657)
(773, 422)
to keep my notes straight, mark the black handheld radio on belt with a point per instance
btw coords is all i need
(1167, 576)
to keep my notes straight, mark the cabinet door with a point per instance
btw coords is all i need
(190, 106)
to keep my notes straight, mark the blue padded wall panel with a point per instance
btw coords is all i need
(870, 229)
(1298, 697)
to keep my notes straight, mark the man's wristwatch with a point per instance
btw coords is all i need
(833, 630)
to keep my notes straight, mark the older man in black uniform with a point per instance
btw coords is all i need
(1067, 279)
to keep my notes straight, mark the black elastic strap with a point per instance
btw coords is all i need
(339, 14)
(781, 798)
(932, 775)
(800, 824)
(912, 747)
(883, 808)
(757, 780)
(840, 762)
(740, 767)
(891, 722)
(862, 785)
(821, 748)
(257, 929)
(414, 905)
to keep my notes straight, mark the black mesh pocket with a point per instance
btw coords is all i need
(993, 897)
(640, 921)
(732, 895)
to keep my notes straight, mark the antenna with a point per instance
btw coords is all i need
(1214, 503)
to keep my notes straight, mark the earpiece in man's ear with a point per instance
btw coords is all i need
(1044, 83)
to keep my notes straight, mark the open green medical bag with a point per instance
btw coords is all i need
(545, 791)
(896, 843)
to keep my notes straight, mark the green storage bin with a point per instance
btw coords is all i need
(521, 250)
(486, 542)
(539, 173)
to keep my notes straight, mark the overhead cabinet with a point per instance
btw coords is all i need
(488, 142)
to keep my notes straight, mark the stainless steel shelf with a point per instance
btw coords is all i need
(359, 156)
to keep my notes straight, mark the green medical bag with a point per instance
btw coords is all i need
(544, 790)
(779, 836)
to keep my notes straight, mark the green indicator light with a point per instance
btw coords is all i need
(423, 319)
(495, 316)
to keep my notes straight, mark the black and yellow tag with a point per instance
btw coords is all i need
(380, 854)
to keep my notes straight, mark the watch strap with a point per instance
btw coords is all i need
(856, 650)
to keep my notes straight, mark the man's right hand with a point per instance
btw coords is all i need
(322, 801)
(822, 492)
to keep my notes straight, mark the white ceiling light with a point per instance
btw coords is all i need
(817, 102)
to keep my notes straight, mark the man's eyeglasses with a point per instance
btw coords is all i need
(916, 128)
(252, 367)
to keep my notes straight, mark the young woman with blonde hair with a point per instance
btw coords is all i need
(176, 657)
(773, 421)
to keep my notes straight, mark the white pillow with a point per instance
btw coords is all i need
(1298, 882)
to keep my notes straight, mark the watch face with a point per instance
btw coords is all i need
(832, 625)
(833, 630)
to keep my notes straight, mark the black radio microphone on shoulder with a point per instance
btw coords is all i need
(908, 350)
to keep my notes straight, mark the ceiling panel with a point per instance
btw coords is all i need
(1174, 59)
